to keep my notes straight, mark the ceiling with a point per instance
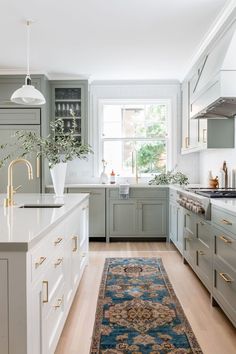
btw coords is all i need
(105, 39)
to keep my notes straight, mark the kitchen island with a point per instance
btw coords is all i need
(43, 253)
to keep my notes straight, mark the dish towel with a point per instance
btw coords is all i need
(124, 191)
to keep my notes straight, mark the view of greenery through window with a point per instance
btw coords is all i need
(135, 134)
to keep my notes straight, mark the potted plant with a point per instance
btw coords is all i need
(58, 148)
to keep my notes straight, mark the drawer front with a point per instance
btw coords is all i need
(204, 264)
(52, 321)
(204, 233)
(140, 193)
(48, 249)
(225, 248)
(224, 219)
(224, 288)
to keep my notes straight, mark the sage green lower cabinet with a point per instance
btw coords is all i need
(204, 247)
(152, 217)
(144, 214)
(224, 261)
(176, 223)
(190, 238)
(96, 210)
(122, 218)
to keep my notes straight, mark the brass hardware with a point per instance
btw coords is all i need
(75, 239)
(57, 241)
(226, 222)
(59, 303)
(10, 190)
(41, 260)
(201, 253)
(37, 167)
(225, 239)
(58, 262)
(45, 283)
(204, 136)
(226, 277)
(186, 140)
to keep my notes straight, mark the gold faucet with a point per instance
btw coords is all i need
(10, 190)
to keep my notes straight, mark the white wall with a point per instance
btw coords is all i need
(88, 171)
(213, 160)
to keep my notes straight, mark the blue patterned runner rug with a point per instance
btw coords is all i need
(138, 311)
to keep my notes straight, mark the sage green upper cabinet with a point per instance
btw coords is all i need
(67, 96)
(189, 127)
(216, 133)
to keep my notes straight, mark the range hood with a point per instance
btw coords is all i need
(214, 94)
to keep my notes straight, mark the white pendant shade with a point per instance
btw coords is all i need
(28, 95)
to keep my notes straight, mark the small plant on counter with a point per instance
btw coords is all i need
(169, 177)
(59, 146)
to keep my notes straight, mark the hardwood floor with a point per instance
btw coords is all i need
(213, 330)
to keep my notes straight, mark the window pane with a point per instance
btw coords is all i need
(122, 156)
(135, 121)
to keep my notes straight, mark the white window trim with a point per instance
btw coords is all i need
(102, 102)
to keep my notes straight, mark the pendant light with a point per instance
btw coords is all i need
(28, 94)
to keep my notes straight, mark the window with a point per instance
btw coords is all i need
(135, 134)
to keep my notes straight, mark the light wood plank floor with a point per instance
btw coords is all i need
(213, 330)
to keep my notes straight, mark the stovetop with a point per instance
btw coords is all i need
(215, 193)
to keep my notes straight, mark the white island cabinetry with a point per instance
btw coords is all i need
(39, 278)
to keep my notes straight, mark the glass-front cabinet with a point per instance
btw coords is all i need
(71, 97)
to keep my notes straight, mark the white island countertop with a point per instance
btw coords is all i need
(22, 228)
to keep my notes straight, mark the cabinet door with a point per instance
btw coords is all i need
(152, 218)
(193, 133)
(185, 114)
(84, 246)
(35, 332)
(20, 177)
(189, 238)
(97, 219)
(173, 222)
(180, 229)
(122, 218)
(4, 306)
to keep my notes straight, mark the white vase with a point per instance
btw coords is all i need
(58, 173)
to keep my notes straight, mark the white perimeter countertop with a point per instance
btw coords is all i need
(225, 203)
(22, 228)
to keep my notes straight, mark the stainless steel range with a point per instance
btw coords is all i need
(197, 200)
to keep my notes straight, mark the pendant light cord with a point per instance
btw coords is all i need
(28, 79)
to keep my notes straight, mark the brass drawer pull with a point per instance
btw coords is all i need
(45, 285)
(58, 303)
(57, 241)
(75, 239)
(40, 261)
(226, 222)
(226, 277)
(225, 239)
(201, 253)
(58, 262)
